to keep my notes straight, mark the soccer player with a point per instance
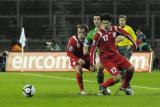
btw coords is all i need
(87, 46)
(125, 45)
(91, 33)
(77, 59)
(110, 58)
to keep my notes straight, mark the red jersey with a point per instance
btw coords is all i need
(75, 49)
(105, 40)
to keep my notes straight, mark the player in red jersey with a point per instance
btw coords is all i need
(104, 39)
(75, 52)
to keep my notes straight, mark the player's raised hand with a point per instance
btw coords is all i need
(81, 62)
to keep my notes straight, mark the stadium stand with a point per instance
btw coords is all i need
(51, 19)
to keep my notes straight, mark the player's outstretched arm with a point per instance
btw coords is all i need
(93, 48)
(127, 35)
(133, 34)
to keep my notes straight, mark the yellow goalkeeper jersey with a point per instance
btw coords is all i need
(125, 41)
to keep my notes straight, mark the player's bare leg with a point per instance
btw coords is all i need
(79, 79)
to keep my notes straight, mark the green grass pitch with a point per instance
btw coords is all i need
(59, 89)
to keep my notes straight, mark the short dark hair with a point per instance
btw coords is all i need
(106, 17)
(83, 27)
(123, 16)
(97, 14)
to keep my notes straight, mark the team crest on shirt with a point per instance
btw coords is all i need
(114, 34)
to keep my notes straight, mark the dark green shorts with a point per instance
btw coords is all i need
(127, 53)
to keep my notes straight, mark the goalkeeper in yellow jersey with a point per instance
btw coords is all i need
(124, 45)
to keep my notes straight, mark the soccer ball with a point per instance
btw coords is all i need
(29, 90)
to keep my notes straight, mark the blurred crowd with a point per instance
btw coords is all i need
(143, 45)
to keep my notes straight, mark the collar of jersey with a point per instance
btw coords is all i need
(108, 30)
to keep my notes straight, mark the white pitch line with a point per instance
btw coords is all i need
(38, 75)
(145, 87)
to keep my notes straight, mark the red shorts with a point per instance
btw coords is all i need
(86, 66)
(115, 63)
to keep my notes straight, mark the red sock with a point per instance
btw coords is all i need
(127, 79)
(80, 81)
(109, 82)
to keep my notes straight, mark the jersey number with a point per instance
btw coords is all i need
(105, 37)
(114, 70)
